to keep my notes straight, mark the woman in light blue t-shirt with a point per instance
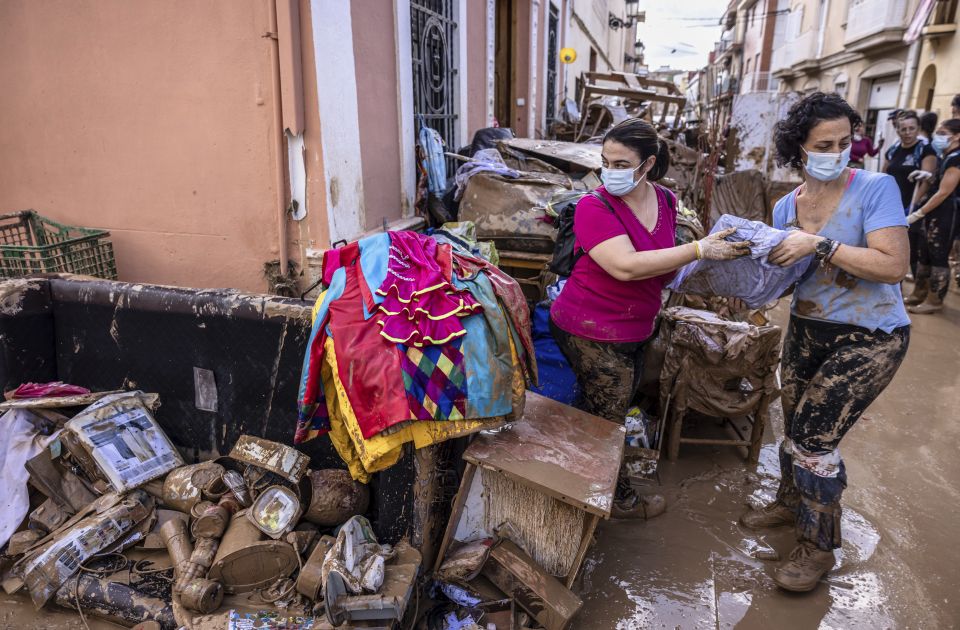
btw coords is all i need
(848, 330)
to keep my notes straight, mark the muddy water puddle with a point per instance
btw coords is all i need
(695, 567)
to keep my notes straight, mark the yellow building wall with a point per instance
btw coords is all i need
(938, 59)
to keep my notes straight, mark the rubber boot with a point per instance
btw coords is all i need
(782, 510)
(939, 283)
(921, 286)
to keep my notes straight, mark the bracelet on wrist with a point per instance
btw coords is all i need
(696, 247)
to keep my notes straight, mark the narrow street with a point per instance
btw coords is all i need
(900, 562)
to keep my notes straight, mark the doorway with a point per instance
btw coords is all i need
(553, 38)
(503, 67)
(881, 101)
(928, 84)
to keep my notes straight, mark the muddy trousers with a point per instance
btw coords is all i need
(915, 235)
(608, 373)
(831, 373)
(939, 229)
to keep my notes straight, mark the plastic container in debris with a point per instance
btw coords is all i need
(31, 243)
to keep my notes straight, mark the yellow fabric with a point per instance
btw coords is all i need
(366, 456)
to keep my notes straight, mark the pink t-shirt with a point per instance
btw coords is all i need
(594, 304)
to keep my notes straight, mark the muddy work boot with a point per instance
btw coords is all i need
(628, 504)
(802, 572)
(939, 283)
(920, 289)
(772, 515)
(932, 304)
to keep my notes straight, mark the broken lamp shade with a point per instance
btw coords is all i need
(275, 511)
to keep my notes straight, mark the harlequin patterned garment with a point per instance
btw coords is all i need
(435, 381)
(420, 307)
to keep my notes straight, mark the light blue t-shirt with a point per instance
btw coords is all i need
(870, 202)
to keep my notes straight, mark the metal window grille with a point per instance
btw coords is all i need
(434, 37)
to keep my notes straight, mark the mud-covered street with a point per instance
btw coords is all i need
(695, 567)
(900, 562)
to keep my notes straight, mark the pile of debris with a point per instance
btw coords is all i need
(105, 518)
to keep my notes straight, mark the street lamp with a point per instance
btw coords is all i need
(632, 18)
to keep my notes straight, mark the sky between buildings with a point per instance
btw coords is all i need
(680, 33)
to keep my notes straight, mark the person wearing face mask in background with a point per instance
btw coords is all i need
(938, 216)
(848, 329)
(609, 304)
(909, 154)
(862, 146)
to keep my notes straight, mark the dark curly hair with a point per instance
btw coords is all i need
(642, 138)
(790, 133)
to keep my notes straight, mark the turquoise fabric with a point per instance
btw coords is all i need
(486, 352)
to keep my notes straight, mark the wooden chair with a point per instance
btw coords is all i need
(719, 368)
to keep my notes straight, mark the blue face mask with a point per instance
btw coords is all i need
(619, 181)
(826, 166)
(940, 143)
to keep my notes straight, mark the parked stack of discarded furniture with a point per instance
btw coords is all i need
(609, 97)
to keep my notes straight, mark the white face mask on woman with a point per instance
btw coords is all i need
(619, 181)
(826, 166)
(940, 143)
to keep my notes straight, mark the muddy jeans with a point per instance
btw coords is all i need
(608, 373)
(939, 227)
(831, 373)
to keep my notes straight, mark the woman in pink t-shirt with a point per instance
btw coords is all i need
(609, 304)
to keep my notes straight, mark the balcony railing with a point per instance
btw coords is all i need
(759, 82)
(791, 53)
(870, 17)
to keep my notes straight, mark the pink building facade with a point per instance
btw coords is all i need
(213, 138)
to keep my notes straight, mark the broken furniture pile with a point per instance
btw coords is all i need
(606, 98)
(529, 502)
(516, 210)
(114, 525)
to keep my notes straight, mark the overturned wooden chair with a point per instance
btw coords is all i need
(719, 368)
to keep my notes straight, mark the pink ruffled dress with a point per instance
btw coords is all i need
(421, 307)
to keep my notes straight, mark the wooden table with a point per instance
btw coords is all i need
(555, 449)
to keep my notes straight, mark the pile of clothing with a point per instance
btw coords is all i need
(412, 341)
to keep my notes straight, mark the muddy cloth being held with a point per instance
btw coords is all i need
(831, 374)
(752, 278)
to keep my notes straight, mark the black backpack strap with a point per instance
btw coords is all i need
(579, 252)
(890, 151)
